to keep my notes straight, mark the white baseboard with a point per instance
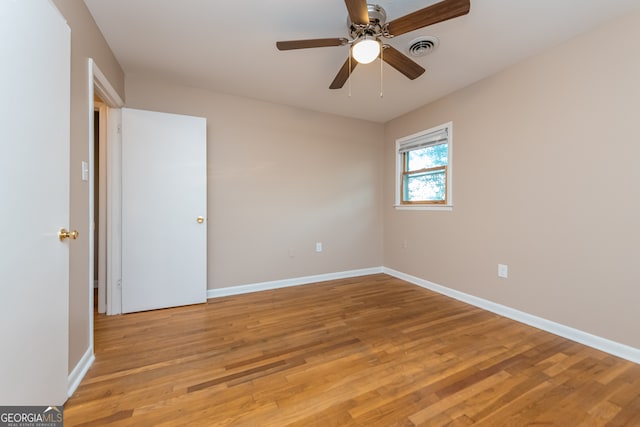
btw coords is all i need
(80, 371)
(621, 350)
(277, 284)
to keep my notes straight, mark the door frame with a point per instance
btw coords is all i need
(110, 199)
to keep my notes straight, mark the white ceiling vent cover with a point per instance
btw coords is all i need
(423, 45)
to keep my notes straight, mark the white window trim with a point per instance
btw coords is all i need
(399, 169)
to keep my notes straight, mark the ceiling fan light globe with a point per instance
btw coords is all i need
(366, 50)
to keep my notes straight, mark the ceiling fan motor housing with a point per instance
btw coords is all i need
(377, 19)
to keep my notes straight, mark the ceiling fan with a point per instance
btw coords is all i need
(367, 27)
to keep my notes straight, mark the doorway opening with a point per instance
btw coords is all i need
(99, 205)
(96, 202)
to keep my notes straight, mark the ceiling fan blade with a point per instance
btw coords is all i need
(358, 12)
(343, 74)
(305, 44)
(402, 63)
(446, 9)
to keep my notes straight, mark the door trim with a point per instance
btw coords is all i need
(103, 88)
(100, 85)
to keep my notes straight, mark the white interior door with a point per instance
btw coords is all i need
(34, 188)
(164, 244)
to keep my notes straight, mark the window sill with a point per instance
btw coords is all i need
(423, 207)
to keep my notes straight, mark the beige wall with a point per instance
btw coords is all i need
(280, 179)
(546, 180)
(86, 42)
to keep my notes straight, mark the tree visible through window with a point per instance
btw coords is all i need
(424, 161)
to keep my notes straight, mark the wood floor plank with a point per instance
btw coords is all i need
(366, 351)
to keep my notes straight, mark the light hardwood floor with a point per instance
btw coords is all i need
(367, 351)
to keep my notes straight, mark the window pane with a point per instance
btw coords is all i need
(427, 186)
(428, 157)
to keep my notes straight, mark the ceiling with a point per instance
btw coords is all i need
(229, 47)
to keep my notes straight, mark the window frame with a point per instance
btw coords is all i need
(419, 140)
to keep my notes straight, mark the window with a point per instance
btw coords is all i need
(424, 168)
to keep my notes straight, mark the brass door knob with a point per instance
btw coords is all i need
(64, 234)
(200, 219)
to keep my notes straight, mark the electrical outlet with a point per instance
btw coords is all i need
(318, 246)
(503, 271)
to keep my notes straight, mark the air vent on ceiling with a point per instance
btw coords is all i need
(423, 45)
